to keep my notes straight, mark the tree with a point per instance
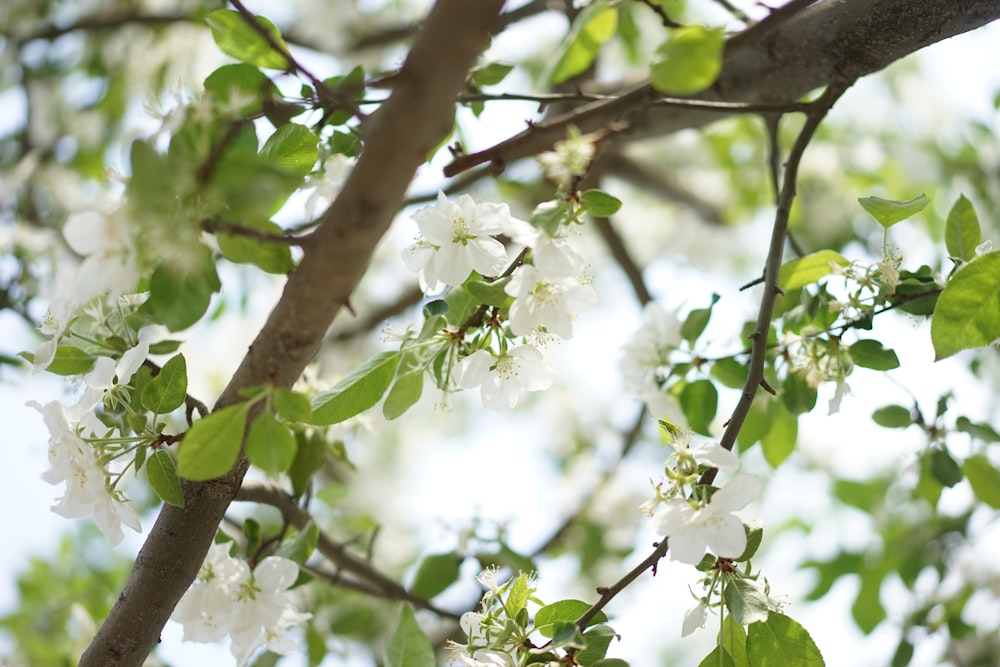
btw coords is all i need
(237, 173)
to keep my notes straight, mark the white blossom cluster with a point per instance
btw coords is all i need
(254, 607)
(646, 363)
(457, 238)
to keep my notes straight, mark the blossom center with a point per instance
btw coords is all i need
(460, 230)
(507, 367)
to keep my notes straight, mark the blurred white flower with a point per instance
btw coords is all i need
(553, 255)
(646, 362)
(504, 377)
(456, 239)
(109, 263)
(549, 303)
(569, 159)
(711, 453)
(57, 318)
(336, 169)
(692, 529)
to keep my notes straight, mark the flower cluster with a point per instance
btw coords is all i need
(81, 449)
(534, 302)
(696, 517)
(253, 607)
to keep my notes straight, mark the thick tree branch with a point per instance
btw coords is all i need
(776, 61)
(398, 138)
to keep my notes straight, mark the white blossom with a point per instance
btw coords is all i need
(109, 263)
(57, 319)
(842, 389)
(888, 270)
(502, 378)
(107, 375)
(711, 453)
(553, 255)
(694, 618)
(254, 608)
(549, 303)
(456, 239)
(88, 491)
(692, 529)
(327, 185)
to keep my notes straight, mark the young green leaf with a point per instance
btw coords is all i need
(491, 294)
(291, 405)
(689, 61)
(211, 445)
(436, 573)
(809, 269)
(697, 320)
(780, 642)
(598, 640)
(491, 74)
(300, 548)
(178, 300)
(244, 80)
(779, 441)
(699, 400)
(745, 601)
(984, 479)
(358, 391)
(888, 212)
(269, 256)
(236, 38)
(733, 638)
(945, 468)
(270, 446)
(872, 354)
(892, 416)
(719, 657)
(166, 392)
(162, 475)
(293, 148)
(404, 394)
(967, 314)
(593, 26)
(563, 610)
(599, 203)
(69, 360)
(408, 646)
(961, 231)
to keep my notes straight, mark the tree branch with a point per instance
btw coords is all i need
(398, 137)
(776, 61)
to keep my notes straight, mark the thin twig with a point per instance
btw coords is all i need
(236, 229)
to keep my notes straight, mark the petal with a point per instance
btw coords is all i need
(737, 494)
(675, 516)
(86, 232)
(275, 574)
(474, 369)
(713, 454)
(725, 535)
(131, 361)
(694, 619)
(687, 546)
(451, 264)
(487, 256)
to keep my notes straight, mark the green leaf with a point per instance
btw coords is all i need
(719, 657)
(177, 300)
(211, 445)
(70, 360)
(984, 479)
(967, 313)
(436, 573)
(165, 347)
(593, 26)
(404, 394)
(270, 446)
(269, 256)
(781, 642)
(888, 212)
(892, 416)
(490, 74)
(961, 231)
(357, 392)
(689, 61)
(865, 496)
(599, 203)
(779, 441)
(610, 662)
(797, 395)
(162, 475)
(166, 392)
(408, 646)
(598, 640)
(980, 430)
(745, 601)
(872, 354)
(309, 456)
(696, 322)
(291, 405)
(548, 215)
(730, 373)
(293, 148)
(755, 426)
(755, 534)
(244, 80)
(517, 599)
(236, 38)
(492, 294)
(809, 269)
(699, 400)
(945, 468)
(733, 638)
(563, 611)
(867, 610)
(302, 547)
